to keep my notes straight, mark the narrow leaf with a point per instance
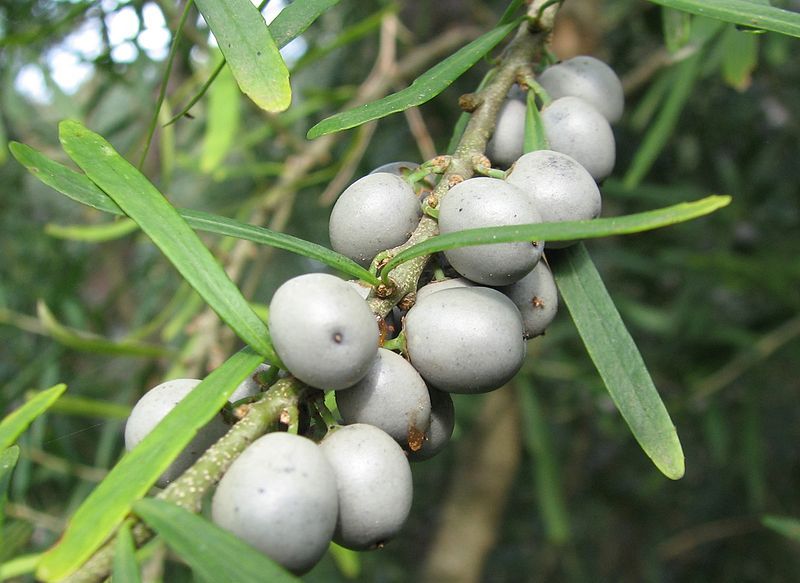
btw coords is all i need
(785, 525)
(617, 358)
(12, 426)
(125, 568)
(250, 51)
(347, 561)
(213, 553)
(677, 27)
(19, 566)
(86, 407)
(564, 231)
(86, 342)
(222, 122)
(8, 460)
(137, 471)
(92, 233)
(80, 189)
(535, 138)
(142, 202)
(739, 57)
(741, 12)
(423, 89)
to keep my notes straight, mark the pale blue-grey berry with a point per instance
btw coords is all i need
(443, 420)
(506, 143)
(536, 297)
(442, 284)
(591, 80)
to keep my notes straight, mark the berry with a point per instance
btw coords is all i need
(377, 212)
(489, 202)
(250, 386)
(323, 331)
(392, 397)
(443, 420)
(591, 80)
(508, 137)
(374, 483)
(465, 340)
(536, 297)
(154, 405)
(437, 286)
(575, 128)
(280, 497)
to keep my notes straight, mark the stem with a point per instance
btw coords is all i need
(189, 490)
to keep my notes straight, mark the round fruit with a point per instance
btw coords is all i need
(561, 189)
(280, 497)
(591, 80)
(323, 331)
(396, 168)
(489, 202)
(575, 128)
(436, 286)
(465, 340)
(536, 297)
(443, 420)
(375, 213)
(392, 397)
(374, 482)
(250, 386)
(153, 407)
(508, 137)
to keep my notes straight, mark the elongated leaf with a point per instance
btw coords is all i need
(222, 122)
(739, 57)
(535, 138)
(142, 202)
(423, 89)
(565, 231)
(617, 358)
(785, 525)
(8, 460)
(80, 189)
(86, 407)
(250, 51)
(18, 566)
(677, 27)
(125, 567)
(12, 426)
(213, 553)
(92, 233)
(347, 561)
(87, 342)
(137, 471)
(741, 12)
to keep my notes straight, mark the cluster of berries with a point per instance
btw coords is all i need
(290, 496)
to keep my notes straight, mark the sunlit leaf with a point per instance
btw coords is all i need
(213, 553)
(125, 568)
(222, 121)
(19, 566)
(142, 202)
(423, 89)
(250, 51)
(564, 231)
(535, 138)
(99, 233)
(13, 424)
(785, 525)
(138, 470)
(741, 12)
(617, 358)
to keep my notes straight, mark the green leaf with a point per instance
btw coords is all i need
(785, 525)
(250, 51)
(739, 57)
(142, 202)
(12, 426)
(125, 568)
(347, 561)
(80, 189)
(92, 233)
(86, 407)
(677, 27)
(86, 342)
(137, 471)
(8, 460)
(423, 89)
(213, 553)
(222, 124)
(683, 81)
(535, 138)
(741, 12)
(564, 231)
(19, 566)
(617, 358)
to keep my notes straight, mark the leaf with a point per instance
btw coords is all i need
(19, 566)
(535, 138)
(12, 426)
(563, 231)
(142, 202)
(8, 460)
(222, 124)
(617, 358)
(137, 471)
(739, 57)
(347, 561)
(92, 233)
(80, 189)
(683, 81)
(250, 51)
(213, 553)
(741, 12)
(87, 342)
(423, 89)
(785, 525)
(125, 568)
(86, 407)
(677, 27)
